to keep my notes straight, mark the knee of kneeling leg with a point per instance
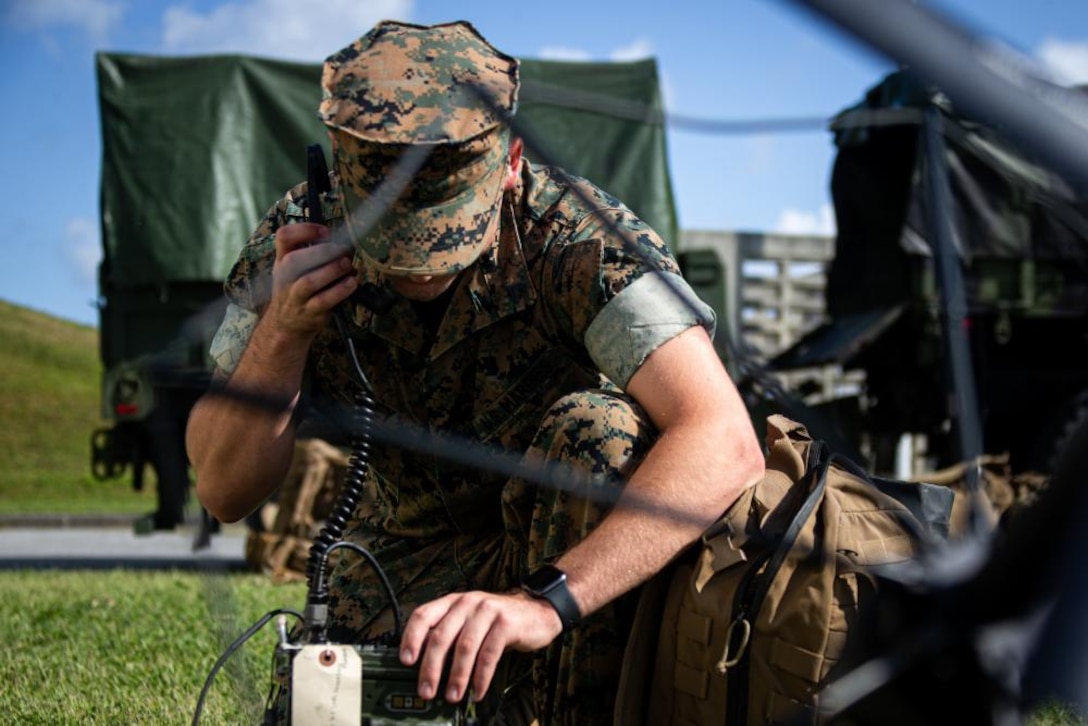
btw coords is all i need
(598, 428)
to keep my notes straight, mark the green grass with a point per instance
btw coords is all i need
(126, 647)
(1056, 714)
(49, 407)
(118, 647)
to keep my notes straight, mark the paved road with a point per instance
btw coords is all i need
(107, 542)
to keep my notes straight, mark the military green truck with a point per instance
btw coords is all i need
(195, 150)
(1020, 236)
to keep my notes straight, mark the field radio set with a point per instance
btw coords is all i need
(318, 682)
(315, 681)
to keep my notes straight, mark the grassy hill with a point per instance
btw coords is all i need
(49, 407)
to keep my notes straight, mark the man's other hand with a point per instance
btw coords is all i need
(475, 628)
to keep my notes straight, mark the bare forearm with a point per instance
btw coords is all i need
(239, 458)
(241, 438)
(706, 455)
(240, 449)
(686, 481)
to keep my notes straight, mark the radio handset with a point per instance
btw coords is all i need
(317, 182)
(369, 295)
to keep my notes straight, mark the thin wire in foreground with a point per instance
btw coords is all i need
(231, 649)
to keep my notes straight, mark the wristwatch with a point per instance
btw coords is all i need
(550, 583)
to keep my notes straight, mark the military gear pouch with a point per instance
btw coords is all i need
(747, 626)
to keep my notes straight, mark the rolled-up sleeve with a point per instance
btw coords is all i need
(650, 311)
(231, 339)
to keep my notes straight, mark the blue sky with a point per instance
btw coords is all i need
(725, 60)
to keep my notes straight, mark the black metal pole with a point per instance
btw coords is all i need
(952, 298)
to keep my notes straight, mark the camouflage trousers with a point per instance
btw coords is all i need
(594, 439)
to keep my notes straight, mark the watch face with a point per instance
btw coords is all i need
(544, 579)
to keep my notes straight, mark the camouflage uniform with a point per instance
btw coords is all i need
(529, 353)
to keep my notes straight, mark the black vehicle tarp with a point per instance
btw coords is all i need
(1020, 230)
(1018, 298)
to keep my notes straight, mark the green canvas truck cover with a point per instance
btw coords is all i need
(194, 150)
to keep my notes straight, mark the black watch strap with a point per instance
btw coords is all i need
(550, 583)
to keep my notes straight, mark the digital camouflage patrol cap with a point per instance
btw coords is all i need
(402, 86)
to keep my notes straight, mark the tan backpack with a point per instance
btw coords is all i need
(747, 627)
(280, 546)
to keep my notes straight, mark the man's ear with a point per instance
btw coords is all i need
(513, 169)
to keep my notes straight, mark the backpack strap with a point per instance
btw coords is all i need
(751, 593)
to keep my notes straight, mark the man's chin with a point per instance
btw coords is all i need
(421, 292)
(418, 296)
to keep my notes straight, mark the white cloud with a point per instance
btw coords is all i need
(637, 50)
(82, 249)
(276, 28)
(795, 221)
(94, 17)
(1067, 59)
(563, 53)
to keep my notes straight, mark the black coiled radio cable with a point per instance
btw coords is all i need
(354, 486)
